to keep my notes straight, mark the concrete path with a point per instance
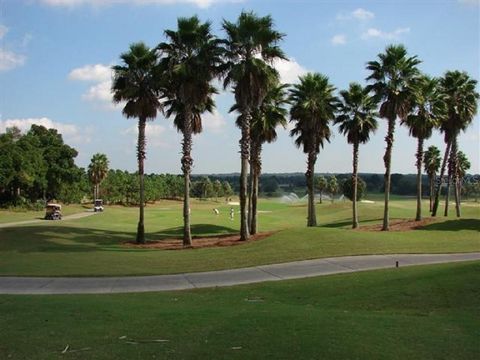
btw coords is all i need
(66, 217)
(292, 270)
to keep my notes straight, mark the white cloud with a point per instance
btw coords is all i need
(338, 39)
(372, 33)
(10, 60)
(71, 133)
(100, 92)
(155, 134)
(97, 72)
(73, 3)
(214, 122)
(357, 14)
(289, 70)
(3, 31)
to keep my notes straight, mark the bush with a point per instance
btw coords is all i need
(347, 188)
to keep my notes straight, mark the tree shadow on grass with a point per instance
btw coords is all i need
(454, 225)
(68, 239)
(341, 224)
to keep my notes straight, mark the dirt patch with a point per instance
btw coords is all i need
(198, 242)
(400, 225)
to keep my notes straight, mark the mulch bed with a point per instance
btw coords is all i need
(400, 225)
(198, 242)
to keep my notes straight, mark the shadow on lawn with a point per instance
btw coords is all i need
(69, 239)
(454, 225)
(341, 224)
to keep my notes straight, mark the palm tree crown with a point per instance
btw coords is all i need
(313, 107)
(357, 114)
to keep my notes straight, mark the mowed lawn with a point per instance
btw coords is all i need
(94, 246)
(424, 312)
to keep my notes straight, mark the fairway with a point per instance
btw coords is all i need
(423, 312)
(94, 246)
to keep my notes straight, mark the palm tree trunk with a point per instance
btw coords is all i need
(440, 180)
(245, 154)
(456, 180)
(418, 216)
(387, 159)
(256, 153)
(187, 168)
(141, 158)
(431, 180)
(451, 171)
(250, 191)
(355, 178)
(309, 175)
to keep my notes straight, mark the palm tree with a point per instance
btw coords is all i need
(313, 107)
(357, 112)
(97, 172)
(391, 77)
(136, 83)
(427, 111)
(251, 47)
(431, 163)
(463, 164)
(333, 187)
(321, 185)
(190, 61)
(461, 100)
(269, 116)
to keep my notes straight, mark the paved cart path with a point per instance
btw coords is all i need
(275, 272)
(66, 217)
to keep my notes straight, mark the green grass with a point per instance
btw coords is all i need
(7, 216)
(425, 312)
(93, 245)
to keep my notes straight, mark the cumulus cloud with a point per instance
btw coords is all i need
(357, 14)
(373, 33)
(97, 72)
(155, 134)
(338, 39)
(289, 70)
(73, 3)
(71, 133)
(99, 93)
(9, 59)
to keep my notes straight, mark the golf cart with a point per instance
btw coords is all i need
(53, 212)
(98, 205)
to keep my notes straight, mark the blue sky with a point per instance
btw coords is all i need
(55, 57)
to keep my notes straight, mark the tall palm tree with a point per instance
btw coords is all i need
(251, 47)
(463, 164)
(427, 111)
(431, 162)
(97, 172)
(191, 60)
(391, 76)
(136, 83)
(321, 185)
(357, 119)
(313, 107)
(461, 100)
(269, 116)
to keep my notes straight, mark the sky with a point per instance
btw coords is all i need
(56, 55)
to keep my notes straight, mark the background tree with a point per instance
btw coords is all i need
(463, 165)
(217, 189)
(227, 190)
(333, 186)
(431, 163)
(136, 82)
(356, 120)
(313, 107)
(427, 111)
(251, 46)
(348, 187)
(97, 172)
(191, 59)
(391, 77)
(461, 100)
(321, 185)
(270, 115)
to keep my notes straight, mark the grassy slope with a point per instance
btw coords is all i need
(7, 216)
(92, 246)
(428, 312)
